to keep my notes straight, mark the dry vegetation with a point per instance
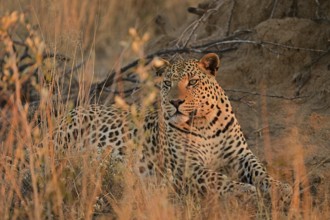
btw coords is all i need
(53, 52)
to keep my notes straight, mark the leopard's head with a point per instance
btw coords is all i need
(189, 90)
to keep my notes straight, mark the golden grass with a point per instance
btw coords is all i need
(68, 187)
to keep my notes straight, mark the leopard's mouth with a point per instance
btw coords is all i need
(179, 118)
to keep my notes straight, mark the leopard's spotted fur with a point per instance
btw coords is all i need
(194, 134)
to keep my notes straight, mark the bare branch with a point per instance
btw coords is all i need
(273, 9)
(109, 80)
(269, 96)
(203, 48)
(230, 16)
(264, 43)
(193, 26)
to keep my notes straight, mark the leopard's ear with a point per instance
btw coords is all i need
(159, 65)
(210, 62)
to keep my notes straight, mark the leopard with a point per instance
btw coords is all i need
(193, 134)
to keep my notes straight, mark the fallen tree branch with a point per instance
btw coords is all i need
(109, 80)
(202, 48)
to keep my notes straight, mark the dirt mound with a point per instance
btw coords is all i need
(280, 75)
(295, 110)
(276, 69)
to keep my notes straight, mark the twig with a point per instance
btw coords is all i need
(263, 43)
(258, 131)
(270, 96)
(317, 12)
(273, 10)
(196, 24)
(230, 17)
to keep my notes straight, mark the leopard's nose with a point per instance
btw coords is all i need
(176, 102)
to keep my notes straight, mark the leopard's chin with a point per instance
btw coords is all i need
(179, 118)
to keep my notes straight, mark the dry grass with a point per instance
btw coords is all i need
(67, 186)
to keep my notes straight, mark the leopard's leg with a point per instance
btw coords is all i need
(282, 192)
(205, 181)
(251, 170)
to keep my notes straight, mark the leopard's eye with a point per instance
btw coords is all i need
(167, 83)
(192, 82)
